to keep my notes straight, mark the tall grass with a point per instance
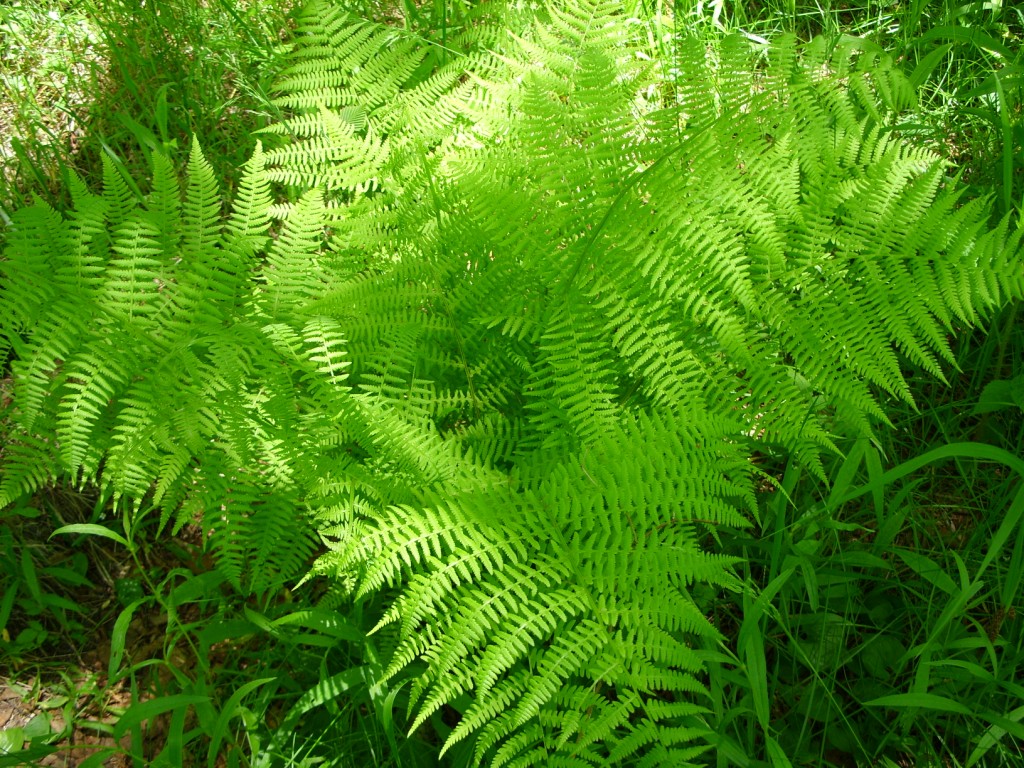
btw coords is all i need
(124, 78)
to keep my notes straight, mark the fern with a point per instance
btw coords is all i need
(507, 333)
(636, 281)
(142, 366)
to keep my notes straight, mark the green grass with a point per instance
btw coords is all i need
(889, 634)
(45, 63)
(889, 625)
(115, 77)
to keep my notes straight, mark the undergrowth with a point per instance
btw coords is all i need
(430, 434)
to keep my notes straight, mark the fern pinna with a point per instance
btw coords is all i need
(509, 343)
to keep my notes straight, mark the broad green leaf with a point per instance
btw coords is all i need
(757, 675)
(920, 701)
(328, 623)
(1008, 723)
(31, 579)
(140, 712)
(928, 570)
(1000, 394)
(92, 529)
(777, 755)
(325, 690)
(11, 740)
(228, 712)
(118, 638)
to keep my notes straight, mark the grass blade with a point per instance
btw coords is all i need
(92, 529)
(920, 701)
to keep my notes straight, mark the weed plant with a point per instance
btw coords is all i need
(883, 609)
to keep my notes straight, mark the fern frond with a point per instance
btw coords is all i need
(326, 343)
(29, 463)
(92, 252)
(38, 245)
(247, 225)
(164, 205)
(118, 196)
(133, 289)
(93, 381)
(201, 210)
(292, 272)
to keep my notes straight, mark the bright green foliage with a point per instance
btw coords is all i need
(524, 327)
(142, 364)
